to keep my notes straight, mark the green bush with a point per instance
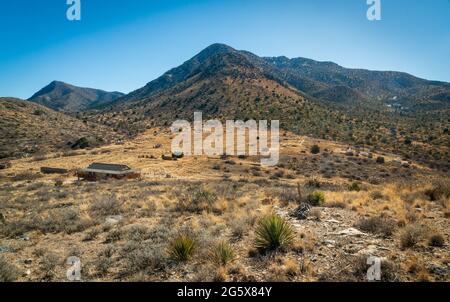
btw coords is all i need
(380, 160)
(38, 112)
(316, 198)
(273, 232)
(436, 240)
(81, 143)
(222, 253)
(315, 149)
(354, 186)
(182, 248)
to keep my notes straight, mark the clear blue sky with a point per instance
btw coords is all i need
(122, 45)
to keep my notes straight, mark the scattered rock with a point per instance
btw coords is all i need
(302, 211)
(332, 221)
(369, 250)
(350, 232)
(439, 270)
(352, 249)
(24, 238)
(28, 261)
(113, 220)
(328, 241)
(4, 249)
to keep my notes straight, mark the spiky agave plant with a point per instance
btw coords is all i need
(273, 232)
(181, 248)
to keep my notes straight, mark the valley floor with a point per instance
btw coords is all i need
(125, 230)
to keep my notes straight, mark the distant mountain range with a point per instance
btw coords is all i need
(325, 81)
(64, 97)
(384, 109)
(389, 110)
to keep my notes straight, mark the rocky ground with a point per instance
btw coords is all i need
(123, 230)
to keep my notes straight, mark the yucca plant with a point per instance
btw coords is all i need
(222, 253)
(181, 248)
(273, 232)
(316, 198)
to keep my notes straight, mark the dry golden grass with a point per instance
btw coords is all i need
(121, 228)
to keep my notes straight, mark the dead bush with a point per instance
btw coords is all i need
(437, 191)
(25, 176)
(277, 174)
(375, 195)
(49, 262)
(314, 183)
(389, 271)
(147, 257)
(18, 227)
(105, 206)
(412, 235)
(8, 271)
(336, 204)
(91, 234)
(64, 220)
(447, 214)
(113, 236)
(289, 194)
(138, 233)
(104, 261)
(240, 226)
(377, 225)
(196, 198)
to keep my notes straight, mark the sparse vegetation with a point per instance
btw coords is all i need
(315, 149)
(49, 262)
(126, 230)
(380, 160)
(104, 206)
(411, 235)
(182, 248)
(354, 186)
(273, 232)
(436, 240)
(8, 272)
(316, 198)
(438, 191)
(196, 198)
(377, 225)
(222, 253)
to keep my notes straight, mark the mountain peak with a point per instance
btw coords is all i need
(220, 47)
(65, 97)
(214, 49)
